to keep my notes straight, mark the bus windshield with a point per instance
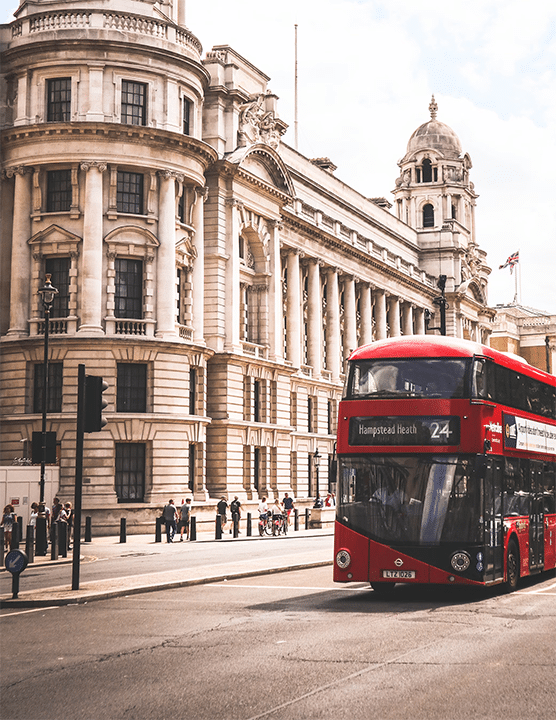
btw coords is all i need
(420, 500)
(423, 377)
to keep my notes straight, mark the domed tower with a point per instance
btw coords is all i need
(434, 195)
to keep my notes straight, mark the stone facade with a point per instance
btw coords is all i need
(526, 332)
(214, 276)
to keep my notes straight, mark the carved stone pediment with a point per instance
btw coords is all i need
(258, 124)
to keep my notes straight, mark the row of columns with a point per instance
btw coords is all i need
(91, 272)
(392, 317)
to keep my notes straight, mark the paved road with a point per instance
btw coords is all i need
(290, 645)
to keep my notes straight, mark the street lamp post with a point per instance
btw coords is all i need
(47, 292)
(316, 463)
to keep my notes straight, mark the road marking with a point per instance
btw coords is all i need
(25, 612)
(287, 587)
(539, 591)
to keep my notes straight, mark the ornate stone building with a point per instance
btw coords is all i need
(214, 276)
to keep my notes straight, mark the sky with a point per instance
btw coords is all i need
(366, 72)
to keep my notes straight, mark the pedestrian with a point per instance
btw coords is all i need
(69, 512)
(276, 511)
(221, 509)
(34, 514)
(8, 519)
(289, 506)
(329, 501)
(57, 507)
(170, 516)
(235, 510)
(184, 519)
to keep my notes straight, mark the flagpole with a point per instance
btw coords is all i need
(515, 291)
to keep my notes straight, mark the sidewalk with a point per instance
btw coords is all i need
(106, 547)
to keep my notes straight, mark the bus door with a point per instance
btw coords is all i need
(536, 518)
(492, 521)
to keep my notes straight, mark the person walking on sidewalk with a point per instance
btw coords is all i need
(289, 506)
(235, 509)
(8, 519)
(184, 519)
(170, 515)
(221, 509)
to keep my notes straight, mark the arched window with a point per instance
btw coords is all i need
(428, 215)
(427, 170)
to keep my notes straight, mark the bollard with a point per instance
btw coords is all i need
(193, 528)
(41, 536)
(16, 534)
(235, 522)
(62, 539)
(54, 541)
(249, 526)
(218, 528)
(30, 543)
(122, 530)
(158, 530)
(296, 519)
(306, 518)
(2, 543)
(88, 529)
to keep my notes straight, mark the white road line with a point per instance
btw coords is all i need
(286, 587)
(538, 591)
(24, 612)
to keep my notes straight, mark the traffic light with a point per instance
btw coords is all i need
(93, 420)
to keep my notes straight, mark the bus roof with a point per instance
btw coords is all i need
(419, 346)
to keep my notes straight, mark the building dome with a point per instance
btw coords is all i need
(434, 135)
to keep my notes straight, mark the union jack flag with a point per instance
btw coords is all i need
(511, 261)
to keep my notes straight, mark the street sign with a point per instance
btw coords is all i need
(16, 561)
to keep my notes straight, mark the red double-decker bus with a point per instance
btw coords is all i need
(446, 464)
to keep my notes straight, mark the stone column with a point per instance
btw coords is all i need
(380, 314)
(394, 316)
(92, 277)
(350, 317)
(293, 309)
(275, 319)
(166, 257)
(407, 318)
(314, 340)
(95, 112)
(21, 252)
(333, 324)
(419, 315)
(198, 273)
(233, 300)
(366, 313)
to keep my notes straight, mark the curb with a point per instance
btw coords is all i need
(120, 592)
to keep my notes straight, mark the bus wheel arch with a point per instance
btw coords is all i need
(512, 564)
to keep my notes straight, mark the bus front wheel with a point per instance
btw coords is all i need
(512, 566)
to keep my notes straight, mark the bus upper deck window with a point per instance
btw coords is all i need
(482, 386)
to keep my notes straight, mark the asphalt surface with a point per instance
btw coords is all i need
(111, 569)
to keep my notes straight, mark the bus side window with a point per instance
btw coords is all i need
(482, 379)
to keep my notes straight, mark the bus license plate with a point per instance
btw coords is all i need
(399, 574)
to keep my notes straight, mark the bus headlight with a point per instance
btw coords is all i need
(343, 559)
(460, 561)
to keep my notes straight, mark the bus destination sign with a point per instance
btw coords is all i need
(409, 430)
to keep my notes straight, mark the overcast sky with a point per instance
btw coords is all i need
(366, 73)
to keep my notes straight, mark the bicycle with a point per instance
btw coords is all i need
(279, 525)
(265, 524)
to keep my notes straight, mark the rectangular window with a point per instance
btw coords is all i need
(191, 481)
(129, 193)
(132, 388)
(58, 190)
(54, 400)
(58, 100)
(192, 391)
(130, 472)
(310, 415)
(186, 116)
(59, 269)
(330, 423)
(134, 103)
(257, 401)
(257, 468)
(128, 296)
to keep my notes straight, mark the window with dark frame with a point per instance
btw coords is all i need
(129, 193)
(192, 391)
(256, 468)
(186, 116)
(131, 395)
(134, 103)
(58, 190)
(428, 215)
(257, 401)
(191, 468)
(128, 296)
(55, 379)
(58, 100)
(130, 472)
(58, 268)
(310, 415)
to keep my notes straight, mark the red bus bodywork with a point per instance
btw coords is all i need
(485, 427)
